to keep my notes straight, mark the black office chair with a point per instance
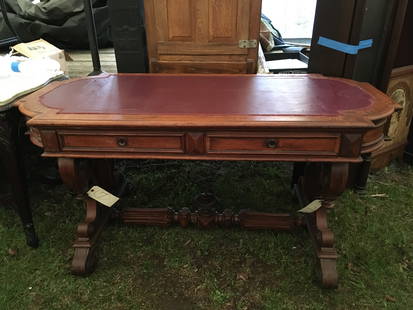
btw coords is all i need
(282, 50)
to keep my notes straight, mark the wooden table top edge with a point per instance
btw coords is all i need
(42, 116)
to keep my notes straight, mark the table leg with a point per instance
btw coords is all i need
(78, 178)
(363, 174)
(298, 171)
(326, 182)
(323, 239)
(13, 164)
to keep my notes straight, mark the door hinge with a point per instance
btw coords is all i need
(247, 43)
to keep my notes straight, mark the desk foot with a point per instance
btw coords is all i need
(88, 233)
(329, 275)
(325, 182)
(323, 239)
(363, 174)
(84, 261)
(78, 178)
(31, 237)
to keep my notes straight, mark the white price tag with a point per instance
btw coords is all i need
(99, 194)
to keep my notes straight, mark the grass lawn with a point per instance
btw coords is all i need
(154, 268)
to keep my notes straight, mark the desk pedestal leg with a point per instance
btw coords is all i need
(323, 239)
(88, 233)
(363, 173)
(326, 182)
(78, 178)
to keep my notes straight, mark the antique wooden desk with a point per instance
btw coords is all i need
(323, 124)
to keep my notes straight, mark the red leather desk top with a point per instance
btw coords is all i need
(207, 95)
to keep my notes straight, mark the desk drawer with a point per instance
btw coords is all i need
(267, 143)
(122, 142)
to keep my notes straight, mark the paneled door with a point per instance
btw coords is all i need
(202, 36)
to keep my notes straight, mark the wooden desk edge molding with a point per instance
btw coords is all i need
(321, 124)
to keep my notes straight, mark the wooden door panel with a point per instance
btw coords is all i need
(246, 18)
(202, 21)
(229, 20)
(203, 29)
(223, 20)
(203, 58)
(173, 19)
(179, 20)
(188, 48)
(214, 67)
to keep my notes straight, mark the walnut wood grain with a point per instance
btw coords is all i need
(321, 123)
(326, 182)
(191, 36)
(205, 95)
(132, 117)
(72, 176)
(209, 218)
(78, 178)
(195, 143)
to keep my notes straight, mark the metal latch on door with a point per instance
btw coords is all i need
(247, 43)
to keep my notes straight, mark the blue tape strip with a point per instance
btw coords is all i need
(343, 47)
(15, 66)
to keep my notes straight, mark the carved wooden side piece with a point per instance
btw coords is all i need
(88, 232)
(208, 218)
(72, 175)
(326, 182)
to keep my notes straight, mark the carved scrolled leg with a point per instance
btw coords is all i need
(323, 239)
(325, 182)
(88, 232)
(78, 177)
(73, 175)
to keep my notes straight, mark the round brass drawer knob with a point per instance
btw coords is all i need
(122, 142)
(272, 143)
